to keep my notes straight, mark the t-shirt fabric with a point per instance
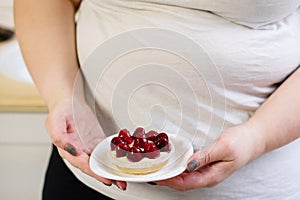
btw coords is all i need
(247, 48)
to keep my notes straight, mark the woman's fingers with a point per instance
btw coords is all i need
(76, 141)
(82, 162)
(219, 151)
(71, 149)
(121, 184)
(56, 127)
(207, 176)
(206, 167)
(210, 166)
(63, 134)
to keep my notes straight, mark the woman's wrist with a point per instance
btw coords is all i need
(65, 89)
(51, 104)
(256, 136)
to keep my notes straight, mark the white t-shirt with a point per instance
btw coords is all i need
(246, 50)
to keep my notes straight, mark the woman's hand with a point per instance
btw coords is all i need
(274, 124)
(75, 131)
(206, 168)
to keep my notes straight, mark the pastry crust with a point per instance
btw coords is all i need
(142, 171)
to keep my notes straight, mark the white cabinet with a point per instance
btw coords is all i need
(24, 153)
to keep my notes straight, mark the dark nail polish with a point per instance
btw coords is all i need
(192, 165)
(152, 183)
(5, 34)
(106, 184)
(71, 149)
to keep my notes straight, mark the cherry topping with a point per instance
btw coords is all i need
(140, 143)
(151, 135)
(161, 140)
(122, 150)
(135, 155)
(151, 151)
(139, 133)
(115, 141)
(163, 135)
(125, 147)
(124, 133)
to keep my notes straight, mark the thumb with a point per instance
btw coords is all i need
(203, 157)
(61, 132)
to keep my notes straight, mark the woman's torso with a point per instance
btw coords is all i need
(248, 65)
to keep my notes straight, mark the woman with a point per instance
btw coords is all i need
(254, 46)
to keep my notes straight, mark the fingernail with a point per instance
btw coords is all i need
(152, 183)
(123, 189)
(71, 149)
(107, 184)
(5, 34)
(192, 165)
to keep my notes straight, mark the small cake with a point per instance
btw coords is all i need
(140, 153)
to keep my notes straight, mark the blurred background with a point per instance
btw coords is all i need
(24, 143)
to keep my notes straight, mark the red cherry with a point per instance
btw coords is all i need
(151, 135)
(151, 151)
(115, 141)
(135, 155)
(139, 133)
(160, 142)
(163, 135)
(140, 143)
(125, 134)
(122, 150)
(148, 147)
(125, 147)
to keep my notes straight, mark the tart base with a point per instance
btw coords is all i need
(143, 171)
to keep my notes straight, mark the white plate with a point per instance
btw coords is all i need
(101, 165)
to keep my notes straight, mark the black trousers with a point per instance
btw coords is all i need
(61, 184)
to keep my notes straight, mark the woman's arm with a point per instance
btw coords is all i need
(275, 124)
(278, 119)
(46, 33)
